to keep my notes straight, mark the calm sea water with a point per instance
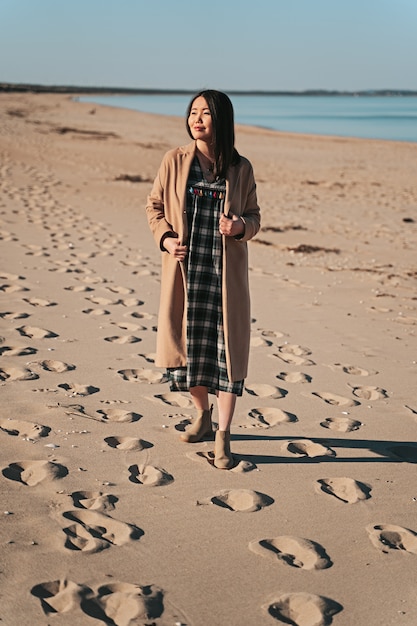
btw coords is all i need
(389, 117)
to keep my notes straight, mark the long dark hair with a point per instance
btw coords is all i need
(221, 111)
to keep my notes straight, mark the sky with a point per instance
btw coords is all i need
(275, 45)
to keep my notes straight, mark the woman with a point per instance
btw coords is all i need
(202, 210)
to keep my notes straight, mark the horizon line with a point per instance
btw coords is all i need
(42, 88)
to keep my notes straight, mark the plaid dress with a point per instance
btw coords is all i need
(206, 357)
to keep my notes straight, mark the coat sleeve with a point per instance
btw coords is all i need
(155, 207)
(250, 212)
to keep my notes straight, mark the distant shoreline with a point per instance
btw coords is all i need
(73, 89)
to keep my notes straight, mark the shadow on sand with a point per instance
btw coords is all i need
(384, 451)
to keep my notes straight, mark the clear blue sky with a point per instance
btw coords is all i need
(224, 44)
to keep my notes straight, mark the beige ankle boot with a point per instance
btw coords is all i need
(223, 458)
(200, 429)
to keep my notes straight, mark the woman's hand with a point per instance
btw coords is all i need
(232, 226)
(174, 247)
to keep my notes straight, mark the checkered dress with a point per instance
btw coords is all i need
(206, 357)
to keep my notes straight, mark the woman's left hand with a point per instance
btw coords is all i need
(231, 226)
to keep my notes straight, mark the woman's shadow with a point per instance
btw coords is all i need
(384, 451)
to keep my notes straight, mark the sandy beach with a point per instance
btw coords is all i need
(107, 517)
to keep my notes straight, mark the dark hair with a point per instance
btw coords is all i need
(221, 111)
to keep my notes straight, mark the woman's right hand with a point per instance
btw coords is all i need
(173, 246)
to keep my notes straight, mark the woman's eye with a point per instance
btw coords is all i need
(206, 113)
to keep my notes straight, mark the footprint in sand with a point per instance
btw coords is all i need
(76, 389)
(354, 370)
(294, 349)
(79, 288)
(369, 393)
(27, 430)
(128, 263)
(32, 473)
(187, 421)
(241, 500)
(100, 301)
(294, 377)
(36, 333)
(130, 327)
(93, 531)
(293, 359)
(128, 302)
(10, 277)
(305, 447)
(39, 302)
(94, 500)
(388, 537)
(143, 375)
(124, 291)
(117, 603)
(140, 316)
(145, 272)
(149, 475)
(182, 425)
(407, 320)
(240, 467)
(174, 398)
(293, 551)
(17, 350)
(14, 315)
(123, 604)
(268, 417)
(7, 288)
(61, 596)
(128, 443)
(335, 400)
(6, 236)
(64, 267)
(304, 609)
(121, 340)
(73, 409)
(54, 366)
(260, 342)
(37, 251)
(118, 415)
(347, 490)
(92, 280)
(266, 391)
(10, 374)
(341, 424)
(273, 334)
(96, 312)
(294, 354)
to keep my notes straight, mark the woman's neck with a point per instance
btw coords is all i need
(205, 149)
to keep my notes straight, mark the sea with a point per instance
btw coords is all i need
(391, 118)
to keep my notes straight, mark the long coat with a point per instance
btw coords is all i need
(167, 214)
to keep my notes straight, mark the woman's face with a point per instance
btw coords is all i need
(200, 121)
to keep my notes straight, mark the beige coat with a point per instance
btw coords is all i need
(166, 211)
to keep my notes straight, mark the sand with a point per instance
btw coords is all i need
(106, 516)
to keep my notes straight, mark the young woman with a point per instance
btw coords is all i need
(202, 210)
